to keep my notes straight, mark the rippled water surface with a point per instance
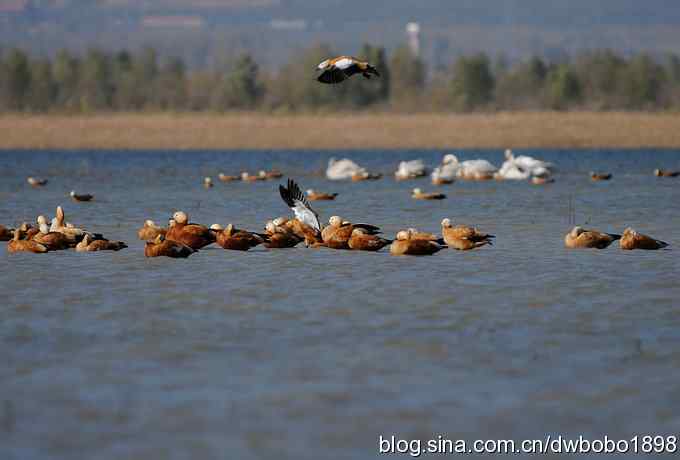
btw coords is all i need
(311, 354)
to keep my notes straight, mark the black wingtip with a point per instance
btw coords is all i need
(285, 196)
(295, 192)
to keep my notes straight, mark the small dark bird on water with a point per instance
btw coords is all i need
(33, 182)
(341, 68)
(80, 197)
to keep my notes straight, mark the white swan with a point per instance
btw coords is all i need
(468, 169)
(342, 169)
(527, 162)
(523, 167)
(410, 169)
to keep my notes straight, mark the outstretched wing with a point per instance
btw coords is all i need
(332, 75)
(295, 199)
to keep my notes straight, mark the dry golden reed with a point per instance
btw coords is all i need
(341, 131)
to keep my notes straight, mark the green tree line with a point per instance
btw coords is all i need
(125, 81)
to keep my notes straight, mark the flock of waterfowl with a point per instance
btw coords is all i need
(517, 168)
(59, 235)
(182, 238)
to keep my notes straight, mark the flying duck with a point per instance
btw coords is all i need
(150, 231)
(195, 236)
(237, 240)
(579, 237)
(599, 176)
(160, 247)
(420, 195)
(320, 196)
(16, 244)
(404, 244)
(89, 245)
(463, 237)
(78, 197)
(341, 68)
(33, 182)
(662, 173)
(634, 240)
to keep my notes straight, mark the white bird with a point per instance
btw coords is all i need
(342, 169)
(527, 162)
(468, 169)
(296, 200)
(523, 167)
(410, 169)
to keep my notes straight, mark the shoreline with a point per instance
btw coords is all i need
(347, 131)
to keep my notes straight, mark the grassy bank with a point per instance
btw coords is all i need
(355, 131)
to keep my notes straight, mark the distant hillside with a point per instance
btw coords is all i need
(202, 31)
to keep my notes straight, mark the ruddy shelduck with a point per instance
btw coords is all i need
(313, 195)
(361, 240)
(341, 68)
(337, 233)
(599, 176)
(195, 236)
(16, 244)
(227, 178)
(53, 241)
(33, 182)
(236, 240)
(404, 245)
(579, 237)
(6, 234)
(418, 194)
(634, 240)
(361, 176)
(150, 231)
(464, 237)
(665, 173)
(280, 237)
(89, 245)
(161, 247)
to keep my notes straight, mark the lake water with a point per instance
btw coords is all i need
(312, 354)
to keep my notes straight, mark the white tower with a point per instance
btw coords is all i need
(413, 33)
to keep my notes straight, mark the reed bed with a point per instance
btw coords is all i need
(341, 131)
